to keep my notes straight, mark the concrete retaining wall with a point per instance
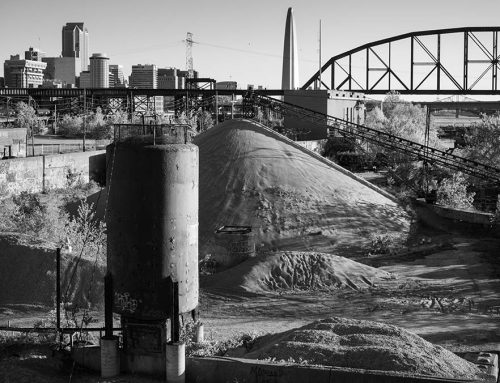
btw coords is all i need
(431, 214)
(212, 370)
(37, 174)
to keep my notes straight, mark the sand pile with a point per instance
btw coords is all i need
(361, 344)
(293, 270)
(252, 176)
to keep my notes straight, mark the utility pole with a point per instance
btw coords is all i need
(55, 119)
(31, 131)
(84, 115)
(8, 112)
(189, 54)
(319, 85)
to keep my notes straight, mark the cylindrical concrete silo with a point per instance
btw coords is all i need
(152, 223)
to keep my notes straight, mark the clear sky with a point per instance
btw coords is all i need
(237, 40)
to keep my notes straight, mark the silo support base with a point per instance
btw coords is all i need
(200, 333)
(110, 357)
(176, 363)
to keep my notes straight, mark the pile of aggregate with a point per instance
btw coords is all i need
(299, 271)
(252, 176)
(360, 344)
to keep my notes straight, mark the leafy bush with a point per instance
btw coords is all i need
(29, 213)
(207, 265)
(452, 192)
(71, 126)
(86, 233)
(384, 243)
(212, 347)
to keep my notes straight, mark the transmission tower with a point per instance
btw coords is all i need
(189, 54)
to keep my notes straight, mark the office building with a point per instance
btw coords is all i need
(169, 78)
(84, 80)
(226, 85)
(23, 73)
(116, 78)
(34, 54)
(75, 43)
(184, 73)
(99, 71)
(63, 70)
(144, 76)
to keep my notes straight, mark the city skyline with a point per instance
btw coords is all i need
(234, 40)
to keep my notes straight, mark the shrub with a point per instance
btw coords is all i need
(384, 243)
(70, 126)
(87, 234)
(452, 192)
(29, 213)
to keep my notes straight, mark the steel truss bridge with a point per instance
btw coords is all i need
(111, 100)
(130, 100)
(442, 61)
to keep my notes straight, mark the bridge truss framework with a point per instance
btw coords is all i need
(423, 70)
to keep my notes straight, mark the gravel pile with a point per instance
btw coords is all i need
(361, 344)
(295, 270)
(253, 177)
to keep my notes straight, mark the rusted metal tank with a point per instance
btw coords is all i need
(152, 224)
(234, 244)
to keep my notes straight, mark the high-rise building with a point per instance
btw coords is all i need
(75, 43)
(226, 85)
(99, 71)
(84, 81)
(144, 76)
(116, 78)
(34, 54)
(290, 78)
(169, 78)
(63, 70)
(23, 73)
(184, 73)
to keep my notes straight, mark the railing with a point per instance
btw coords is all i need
(46, 149)
(163, 133)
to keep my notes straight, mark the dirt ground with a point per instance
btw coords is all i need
(445, 287)
(446, 290)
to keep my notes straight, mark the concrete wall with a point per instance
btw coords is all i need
(219, 369)
(36, 174)
(441, 217)
(15, 138)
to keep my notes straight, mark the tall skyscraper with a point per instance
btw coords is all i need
(99, 71)
(290, 79)
(63, 70)
(117, 80)
(169, 78)
(75, 43)
(144, 76)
